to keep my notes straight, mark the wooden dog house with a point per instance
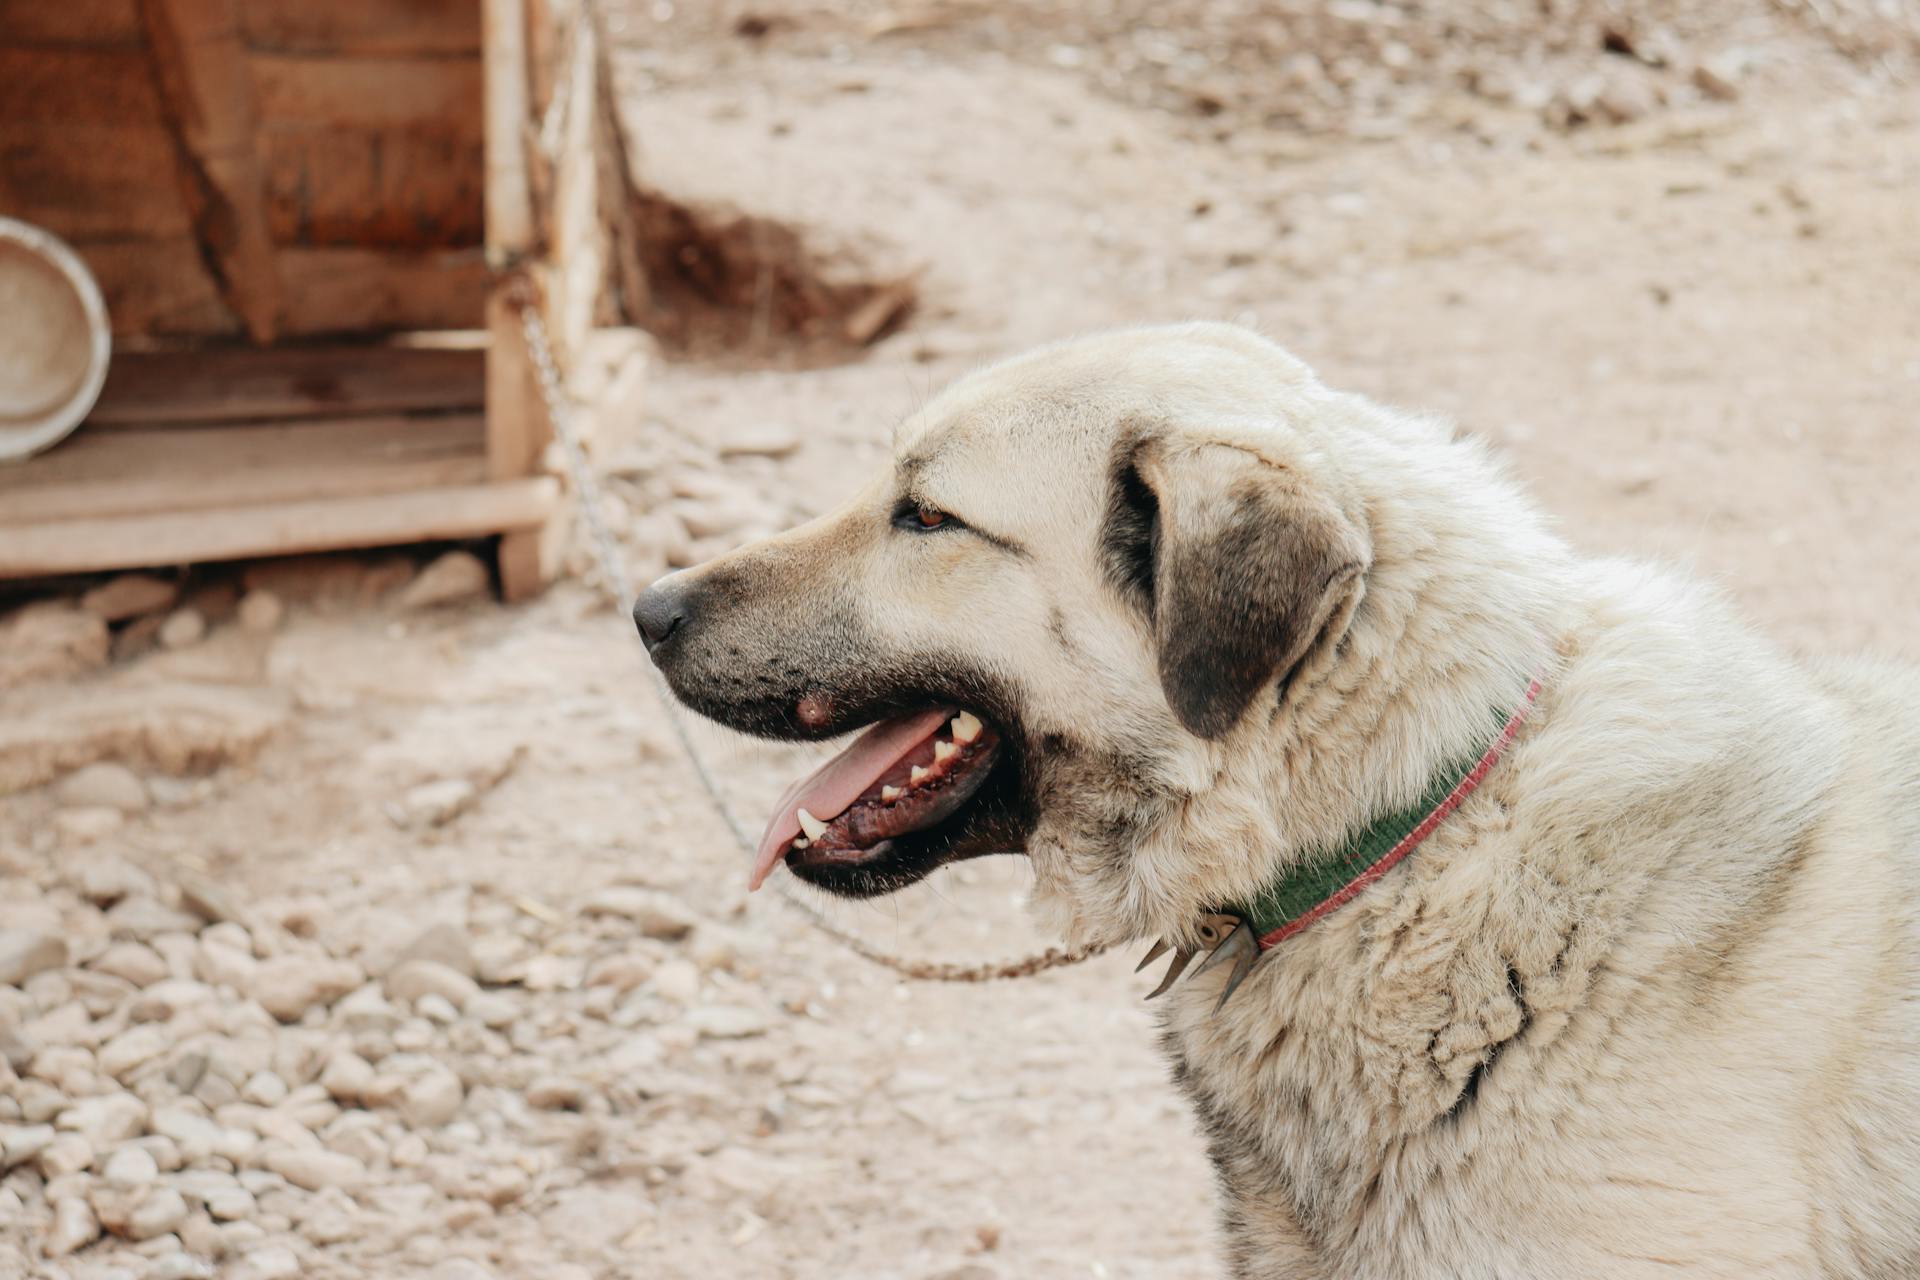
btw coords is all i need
(311, 221)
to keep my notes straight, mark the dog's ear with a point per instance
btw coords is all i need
(1240, 562)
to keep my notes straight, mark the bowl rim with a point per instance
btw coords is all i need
(19, 440)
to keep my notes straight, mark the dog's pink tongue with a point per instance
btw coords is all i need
(828, 790)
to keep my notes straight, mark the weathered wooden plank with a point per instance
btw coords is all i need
(81, 22)
(517, 428)
(367, 92)
(237, 384)
(93, 181)
(428, 515)
(509, 201)
(379, 291)
(336, 185)
(75, 86)
(158, 287)
(160, 469)
(207, 88)
(363, 26)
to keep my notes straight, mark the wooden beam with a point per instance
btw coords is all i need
(333, 27)
(158, 287)
(70, 22)
(413, 187)
(429, 515)
(126, 473)
(237, 384)
(208, 91)
(368, 92)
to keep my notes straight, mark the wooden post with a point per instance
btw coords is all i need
(208, 91)
(517, 428)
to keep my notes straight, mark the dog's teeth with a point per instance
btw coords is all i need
(889, 794)
(916, 776)
(801, 842)
(944, 751)
(966, 727)
(810, 824)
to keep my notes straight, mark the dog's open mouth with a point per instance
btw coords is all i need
(906, 775)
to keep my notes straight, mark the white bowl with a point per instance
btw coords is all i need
(54, 339)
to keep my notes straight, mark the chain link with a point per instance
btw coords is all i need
(613, 580)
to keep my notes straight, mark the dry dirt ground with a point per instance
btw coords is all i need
(404, 943)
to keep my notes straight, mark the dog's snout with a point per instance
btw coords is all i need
(660, 613)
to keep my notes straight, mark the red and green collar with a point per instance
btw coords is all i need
(1326, 880)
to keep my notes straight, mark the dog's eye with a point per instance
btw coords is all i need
(920, 518)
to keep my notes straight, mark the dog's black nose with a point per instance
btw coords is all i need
(659, 613)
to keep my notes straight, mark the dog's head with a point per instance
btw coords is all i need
(1079, 583)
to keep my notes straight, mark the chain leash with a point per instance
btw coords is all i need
(614, 583)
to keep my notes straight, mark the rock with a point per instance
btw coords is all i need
(206, 899)
(269, 1262)
(129, 596)
(178, 1264)
(103, 785)
(131, 962)
(22, 1142)
(183, 629)
(455, 577)
(346, 1077)
(264, 1089)
(727, 1021)
(677, 980)
(131, 1167)
(74, 1225)
(443, 944)
(287, 986)
(173, 727)
(50, 640)
(760, 439)
(1719, 76)
(226, 966)
(105, 1120)
(621, 972)
(131, 1050)
(104, 878)
(262, 611)
(367, 1010)
(434, 804)
(142, 918)
(67, 1153)
(657, 915)
(417, 978)
(493, 1009)
(25, 952)
(555, 1093)
(316, 1170)
(138, 637)
(432, 1098)
(159, 1212)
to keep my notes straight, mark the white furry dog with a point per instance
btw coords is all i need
(1571, 926)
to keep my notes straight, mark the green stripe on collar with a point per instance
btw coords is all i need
(1328, 879)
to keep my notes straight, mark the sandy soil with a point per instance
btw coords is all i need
(1684, 302)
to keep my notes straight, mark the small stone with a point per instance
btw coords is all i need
(50, 640)
(261, 611)
(131, 1167)
(493, 1009)
(131, 962)
(677, 980)
(130, 1050)
(68, 1153)
(85, 826)
(657, 915)
(74, 1225)
(21, 1143)
(760, 439)
(105, 1120)
(434, 804)
(432, 1099)
(728, 1021)
(264, 1089)
(225, 966)
(444, 944)
(417, 978)
(159, 1212)
(25, 952)
(555, 1093)
(455, 577)
(206, 899)
(129, 596)
(183, 629)
(178, 1264)
(144, 918)
(316, 1170)
(269, 1262)
(287, 986)
(1719, 76)
(346, 1077)
(103, 784)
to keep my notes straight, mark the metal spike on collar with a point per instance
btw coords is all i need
(1223, 936)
